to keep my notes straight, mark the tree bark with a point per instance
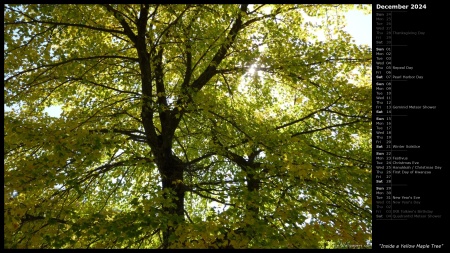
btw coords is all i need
(171, 170)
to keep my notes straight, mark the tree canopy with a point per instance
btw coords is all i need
(185, 126)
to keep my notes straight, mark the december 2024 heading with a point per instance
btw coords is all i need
(401, 6)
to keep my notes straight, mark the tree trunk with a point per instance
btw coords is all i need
(171, 170)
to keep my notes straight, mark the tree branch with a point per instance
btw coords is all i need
(129, 133)
(65, 24)
(339, 156)
(30, 218)
(308, 116)
(105, 86)
(119, 16)
(210, 71)
(327, 127)
(56, 64)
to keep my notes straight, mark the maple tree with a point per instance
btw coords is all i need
(185, 126)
